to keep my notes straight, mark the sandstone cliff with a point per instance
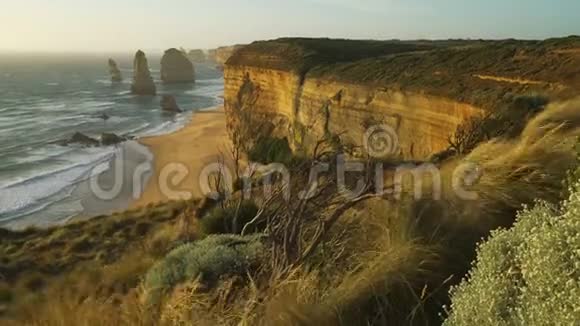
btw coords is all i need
(114, 71)
(142, 81)
(176, 67)
(311, 89)
(222, 54)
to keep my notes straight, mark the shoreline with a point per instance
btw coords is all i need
(140, 163)
(179, 157)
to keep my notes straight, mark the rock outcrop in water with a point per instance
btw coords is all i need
(115, 72)
(176, 67)
(107, 139)
(420, 92)
(142, 81)
(81, 139)
(197, 56)
(169, 104)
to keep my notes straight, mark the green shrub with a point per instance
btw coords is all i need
(6, 294)
(208, 260)
(526, 275)
(222, 220)
(268, 150)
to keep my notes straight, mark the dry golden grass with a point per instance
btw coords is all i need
(384, 262)
(96, 259)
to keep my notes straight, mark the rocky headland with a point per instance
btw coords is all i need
(223, 53)
(315, 88)
(142, 81)
(176, 67)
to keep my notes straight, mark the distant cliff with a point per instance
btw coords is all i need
(222, 54)
(314, 88)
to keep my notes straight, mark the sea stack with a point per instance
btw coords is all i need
(142, 81)
(176, 67)
(169, 104)
(115, 72)
(197, 55)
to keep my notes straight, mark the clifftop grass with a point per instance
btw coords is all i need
(487, 74)
(301, 54)
(33, 260)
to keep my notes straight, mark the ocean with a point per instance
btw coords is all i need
(47, 98)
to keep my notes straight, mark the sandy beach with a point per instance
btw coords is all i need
(186, 152)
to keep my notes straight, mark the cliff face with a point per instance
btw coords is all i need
(308, 111)
(311, 89)
(176, 67)
(222, 54)
(142, 81)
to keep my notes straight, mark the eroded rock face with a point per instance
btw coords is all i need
(115, 72)
(420, 92)
(142, 81)
(222, 54)
(169, 104)
(176, 67)
(306, 111)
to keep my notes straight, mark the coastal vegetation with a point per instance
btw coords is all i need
(304, 252)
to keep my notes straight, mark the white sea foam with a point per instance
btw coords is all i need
(25, 195)
(167, 127)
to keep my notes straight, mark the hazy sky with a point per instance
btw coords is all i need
(123, 25)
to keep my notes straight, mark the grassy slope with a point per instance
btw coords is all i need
(385, 262)
(33, 259)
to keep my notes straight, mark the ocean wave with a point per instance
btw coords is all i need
(167, 127)
(103, 81)
(138, 129)
(43, 154)
(36, 208)
(49, 105)
(27, 193)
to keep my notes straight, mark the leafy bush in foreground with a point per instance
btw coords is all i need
(208, 259)
(527, 275)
